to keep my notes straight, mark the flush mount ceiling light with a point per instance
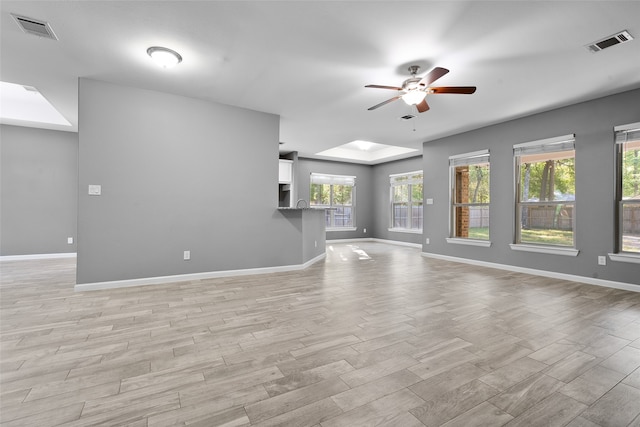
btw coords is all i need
(165, 57)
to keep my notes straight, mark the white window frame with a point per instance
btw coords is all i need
(331, 209)
(623, 134)
(465, 159)
(393, 182)
(548, 145)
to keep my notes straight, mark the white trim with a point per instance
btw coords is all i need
(395, 175)
(543, 273)
(375, 240)
(470, 242)
(544, 249)
(399, 243)
(341, 229)
(630, 126)
(358, 239)
(37, 256)
(193, 276)
(625, 258)
(554, 140)
(471, 154)
(405, 230)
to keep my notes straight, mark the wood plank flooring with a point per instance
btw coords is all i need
(373, 335)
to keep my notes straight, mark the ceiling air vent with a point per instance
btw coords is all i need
(35, 27)
(621, 37)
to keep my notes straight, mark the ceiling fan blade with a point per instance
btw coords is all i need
(384, 87)
(422, 106)
(385, 102)
(432, 76)
(467, 90)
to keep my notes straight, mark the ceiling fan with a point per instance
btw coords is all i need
(415, 89)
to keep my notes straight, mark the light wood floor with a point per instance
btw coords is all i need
(374, 335)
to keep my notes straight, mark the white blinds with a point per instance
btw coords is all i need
(627, 133)
(317, 178)
(406, 178)
(469, 158)
(549, 145)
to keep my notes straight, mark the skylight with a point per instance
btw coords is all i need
(20, 103)
(366, 151)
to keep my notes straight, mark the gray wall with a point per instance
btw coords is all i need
(39, 181)
(381, 199)
(593, 123)
(365, 215)
(177, 174)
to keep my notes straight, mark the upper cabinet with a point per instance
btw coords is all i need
(285, 169)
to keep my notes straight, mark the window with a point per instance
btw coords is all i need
(406, 201)
(628, 188)
(470, 196)
(337, 194)
(545, 192)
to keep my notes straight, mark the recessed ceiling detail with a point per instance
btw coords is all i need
(22, 104)
(621, 37)
(367, 152)
(35, 27)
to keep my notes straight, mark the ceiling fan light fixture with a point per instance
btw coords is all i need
(414, 97)
(164, 57)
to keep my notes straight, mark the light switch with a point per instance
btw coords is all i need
(429, 201)
(95, 190)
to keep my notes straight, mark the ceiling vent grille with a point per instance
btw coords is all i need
(621, 37)
(35, 27)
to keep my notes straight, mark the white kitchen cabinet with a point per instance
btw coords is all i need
(285, 171)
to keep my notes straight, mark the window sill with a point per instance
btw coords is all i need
(544, 249)
(470, 242)
(342, 229)
(625, 258)
(405, 230)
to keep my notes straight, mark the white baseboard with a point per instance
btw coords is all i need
(372, 239)
(399, 243)
(535, 272)
(359, 239)
(193, 276)
(36, 256)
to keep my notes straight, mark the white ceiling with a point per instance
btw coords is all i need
(308, 61)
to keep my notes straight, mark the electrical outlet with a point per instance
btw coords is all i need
(365, 231)
(602, 260)
(69, 240)
(315, 242)
(187, 255)
(426, 240)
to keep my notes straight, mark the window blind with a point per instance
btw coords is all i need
(317, 178)
(406, 178)
(469, 158)
(549, 145)
(627, 133)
